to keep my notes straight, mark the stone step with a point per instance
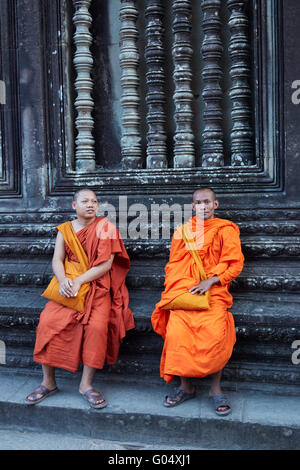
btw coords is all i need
(254, 247)
(21, 306)
(264, 308)
(266, 419)
(254, 277)
(266, 327)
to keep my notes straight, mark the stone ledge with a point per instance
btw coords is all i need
(258, 421)
(265, 279)
(267, 247)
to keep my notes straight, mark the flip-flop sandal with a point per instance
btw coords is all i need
(178, 397)
(92, 396)
(221, 401)
(39, 394)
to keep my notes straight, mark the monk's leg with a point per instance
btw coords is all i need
(48, 377)
(215, 389)
(86, 389)
(86, 379)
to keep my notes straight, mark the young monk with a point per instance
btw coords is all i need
(199, 343)
(66, 337)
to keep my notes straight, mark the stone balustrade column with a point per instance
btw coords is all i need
(131, 147)
(212, 49)
(155, 76)
(83, 62)
(182, 51)
(240, 92)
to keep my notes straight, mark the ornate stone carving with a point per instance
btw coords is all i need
(184, 152)
(155, 57)
(43, 226)
(268, 248)
(212, 49)
(131, 147)
(83, 62)
(276, 221)
(240, 92)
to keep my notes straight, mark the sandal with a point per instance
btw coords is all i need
(39, 394)
(221, 401)
(93, 397)
(178, 397)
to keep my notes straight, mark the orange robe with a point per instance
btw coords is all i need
(65, 337)
(199, 343)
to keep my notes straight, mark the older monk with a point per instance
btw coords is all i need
(200, 343)
(66, 337)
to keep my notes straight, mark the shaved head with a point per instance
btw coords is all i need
(204, 203)
(81, 190)
(204, 189)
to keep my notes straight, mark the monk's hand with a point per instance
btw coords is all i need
(75, 287)
(203, 286)
(65, 287)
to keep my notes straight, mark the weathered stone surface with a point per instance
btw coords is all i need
(39, 177)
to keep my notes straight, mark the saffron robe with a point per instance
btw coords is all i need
(65, 337)
(199, 343)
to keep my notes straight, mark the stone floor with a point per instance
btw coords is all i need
(135, 416)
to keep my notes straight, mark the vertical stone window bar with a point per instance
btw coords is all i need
(131, 147)
(212, 49)
(155, 76)
(83, 62)
(182, 51)
(1, 159)
(240, 92)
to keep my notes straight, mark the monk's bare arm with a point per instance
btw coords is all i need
(92, 274)
(65, 284)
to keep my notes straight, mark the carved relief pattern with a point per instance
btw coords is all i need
(240, 92)
(184, 152)
(129, 58)
(212, 48)
(155, 57)
(83, 62)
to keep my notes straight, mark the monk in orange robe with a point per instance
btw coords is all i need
(199, 343)
(66, 337)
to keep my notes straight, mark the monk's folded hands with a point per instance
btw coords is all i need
(65, 287)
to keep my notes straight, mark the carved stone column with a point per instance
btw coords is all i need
(184, 152)
(129, 57)
(1, 159)
(156, 136)
(212, 48)
(83, 62)
(240, 92)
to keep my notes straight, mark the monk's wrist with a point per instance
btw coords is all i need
(214, 280)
